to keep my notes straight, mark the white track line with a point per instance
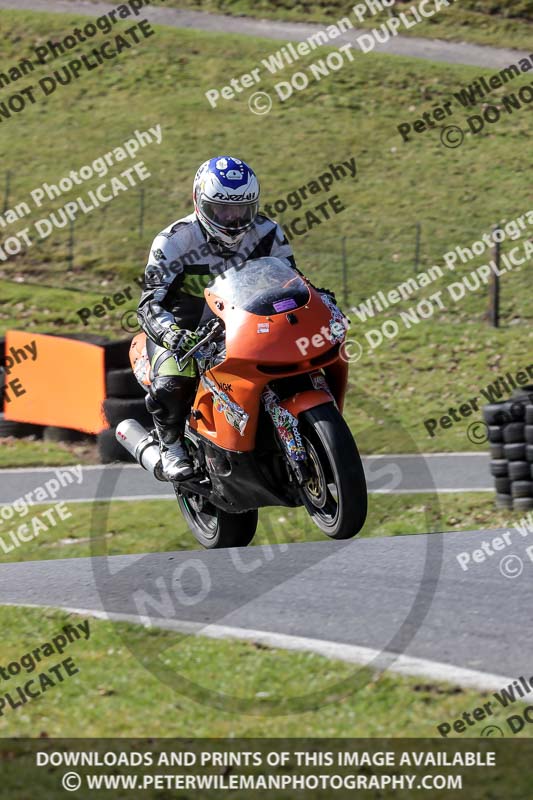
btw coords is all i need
(123, 499)
(383, 661)
(433, 491)
(427, 455)
(89, 467)
(86, 467)
(141, 497)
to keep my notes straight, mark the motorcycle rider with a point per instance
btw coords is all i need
(225, 230)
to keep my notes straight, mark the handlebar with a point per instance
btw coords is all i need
(213, 328)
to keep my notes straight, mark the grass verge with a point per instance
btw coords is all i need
(30, 452)
(157, 525)
(113, 695)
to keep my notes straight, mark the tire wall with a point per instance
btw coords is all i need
(510, 433)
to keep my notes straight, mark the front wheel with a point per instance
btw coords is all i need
(335, 494)
(215, 528)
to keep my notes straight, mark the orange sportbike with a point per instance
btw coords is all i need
(266, 426)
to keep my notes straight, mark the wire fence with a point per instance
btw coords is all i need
(110, 245)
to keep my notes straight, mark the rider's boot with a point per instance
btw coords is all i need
(175, 460)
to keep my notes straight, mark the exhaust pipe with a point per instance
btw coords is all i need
(141, 445)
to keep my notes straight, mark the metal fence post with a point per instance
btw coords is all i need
(417, 246)
(141, 213)
(7, 190)
(70, 255)
(344, 272)
(494, 291)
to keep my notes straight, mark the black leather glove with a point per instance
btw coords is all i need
(180, 339)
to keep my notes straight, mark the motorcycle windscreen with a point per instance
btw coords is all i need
(264, 286)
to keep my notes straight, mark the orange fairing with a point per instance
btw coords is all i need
(140, 363)
(303, 401)
(337, 380)
(261, 349)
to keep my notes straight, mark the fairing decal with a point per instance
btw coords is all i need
(337, 323)
(286, 425)
(235, 415)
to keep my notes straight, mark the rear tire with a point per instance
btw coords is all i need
(336, 495)
(214, 528)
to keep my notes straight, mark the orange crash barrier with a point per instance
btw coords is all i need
(55, 381)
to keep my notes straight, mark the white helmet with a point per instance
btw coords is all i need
(226, 198)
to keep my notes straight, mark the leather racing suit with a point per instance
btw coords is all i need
(182, 261)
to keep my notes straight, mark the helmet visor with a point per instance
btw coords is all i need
(231, 216)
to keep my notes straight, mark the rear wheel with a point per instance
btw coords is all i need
(215, 528)
(335, 495)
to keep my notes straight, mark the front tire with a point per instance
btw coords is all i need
(214, 528)
(335, 496)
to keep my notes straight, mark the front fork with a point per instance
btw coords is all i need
(287, 429)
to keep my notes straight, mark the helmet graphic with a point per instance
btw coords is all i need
(226, 198)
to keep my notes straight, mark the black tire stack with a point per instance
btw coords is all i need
(18, 430)
(510, 433)
(9, 427)
(125, 399)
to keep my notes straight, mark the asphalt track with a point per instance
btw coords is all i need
(399, 603)
(429, 49)
(392, 474)
(354, 600)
